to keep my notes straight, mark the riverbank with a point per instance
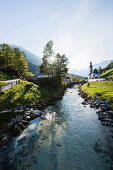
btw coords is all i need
(96, 94)
(101, 89)
(24, 102)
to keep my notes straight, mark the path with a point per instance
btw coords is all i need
(10, 83)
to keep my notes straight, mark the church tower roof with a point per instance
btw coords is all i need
(95, 71)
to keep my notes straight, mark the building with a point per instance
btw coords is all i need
(93, 74)
(44, 76)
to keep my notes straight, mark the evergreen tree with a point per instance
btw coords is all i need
(6, 57)
(45, 67)
(60, 66)
(53, 64)
(21, 66)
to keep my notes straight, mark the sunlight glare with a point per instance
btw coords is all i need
(51, 59)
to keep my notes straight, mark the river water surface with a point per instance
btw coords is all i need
(63, 140)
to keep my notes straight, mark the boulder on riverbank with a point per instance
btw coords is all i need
(5, 138)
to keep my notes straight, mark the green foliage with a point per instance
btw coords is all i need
(46, 67)
(53, 64)
(12, 61)
(60, 66)
(29, 74)
(24, 93)
(77, 79)
(70, 77)
(21, 66)
(103, 89)
(107, 74)
(6, 57)
(88, 84)
(2, 84)
(100, 70)
(64, 84)
(4, 76)
(48, 50)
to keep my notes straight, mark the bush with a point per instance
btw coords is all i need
(88, 84)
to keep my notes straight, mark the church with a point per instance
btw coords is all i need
(94, 74)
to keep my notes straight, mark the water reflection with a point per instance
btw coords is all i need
(39, 134)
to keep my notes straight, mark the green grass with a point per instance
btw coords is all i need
(4, 76)
(24, 93)
(107, 74)
(103, 89)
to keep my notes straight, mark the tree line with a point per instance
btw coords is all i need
(12, 61)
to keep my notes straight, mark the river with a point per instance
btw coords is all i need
(63, 140)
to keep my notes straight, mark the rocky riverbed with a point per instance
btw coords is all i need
(105, 114)
(22, 117)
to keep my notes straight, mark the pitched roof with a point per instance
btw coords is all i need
(95, 71)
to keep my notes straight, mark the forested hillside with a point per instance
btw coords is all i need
(108, 67)
(12, 61)
(107, 72)
(32, 68)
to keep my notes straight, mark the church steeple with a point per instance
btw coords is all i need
(91, 68)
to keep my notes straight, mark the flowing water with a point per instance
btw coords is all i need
(63, 140)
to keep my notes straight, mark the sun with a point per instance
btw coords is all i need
(51, 59)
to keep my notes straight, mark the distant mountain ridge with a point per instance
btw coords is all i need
(85, 72)
(32, 58)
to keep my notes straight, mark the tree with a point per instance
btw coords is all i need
(60, 66)
(6, 57)
(45, 67)
(100, 70)
(53, 64)
(21, 66)
(12, 61)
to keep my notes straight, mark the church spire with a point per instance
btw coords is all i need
(91, 68)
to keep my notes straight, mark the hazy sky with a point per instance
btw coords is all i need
(82, 29)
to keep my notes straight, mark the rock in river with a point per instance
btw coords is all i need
(97, 147)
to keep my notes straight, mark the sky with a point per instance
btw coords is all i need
(80, 29)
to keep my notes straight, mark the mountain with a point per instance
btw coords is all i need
(32, 58)
(32, 68)
(85, 72)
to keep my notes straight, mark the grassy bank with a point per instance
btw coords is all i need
(107, 74)
(24, 93)
(103, 89)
